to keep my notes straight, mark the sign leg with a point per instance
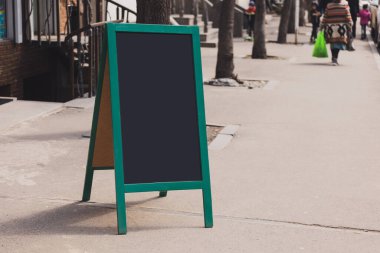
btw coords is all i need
(163, 194)
(207, 207)
(120, 203)
(88, 183)
(121, 214)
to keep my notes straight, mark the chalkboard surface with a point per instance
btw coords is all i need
(159, 120)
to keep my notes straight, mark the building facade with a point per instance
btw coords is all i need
(37, 62)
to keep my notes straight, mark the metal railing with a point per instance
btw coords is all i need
(82, 45)
(86, 44)
(205, 15)
(214, 8)
(178, 7)
(86, 47)
(122, 12)
(46, 28)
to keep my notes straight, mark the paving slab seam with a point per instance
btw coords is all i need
(235, 218)
(250, 219)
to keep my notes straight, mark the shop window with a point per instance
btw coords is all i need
(3, 25)
(11, 20)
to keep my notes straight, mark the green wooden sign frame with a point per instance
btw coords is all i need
(110, 51)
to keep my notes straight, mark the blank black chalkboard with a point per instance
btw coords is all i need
(158, 108)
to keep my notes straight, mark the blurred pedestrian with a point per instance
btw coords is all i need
(250, 12)
(365, 17)
(315, 20)
(354, 10)
(337, 24)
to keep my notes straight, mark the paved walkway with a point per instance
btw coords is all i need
(302, 175)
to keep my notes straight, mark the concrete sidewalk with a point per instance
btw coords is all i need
(302, 175)
(18, 111)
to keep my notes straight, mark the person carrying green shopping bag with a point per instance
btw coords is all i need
(320, 49)
(337, 25)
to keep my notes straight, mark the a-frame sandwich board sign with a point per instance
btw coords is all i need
(149, 116)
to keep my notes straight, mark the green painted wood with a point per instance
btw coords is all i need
(87, 184)
(89, 169)
(207, 200)
(163, 194)
(162, 187)
(116, 128)
(148, 28)
(165, 186)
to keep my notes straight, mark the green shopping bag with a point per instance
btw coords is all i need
(320, 49)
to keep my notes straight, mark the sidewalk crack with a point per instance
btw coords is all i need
(255, 219)
(132, 207)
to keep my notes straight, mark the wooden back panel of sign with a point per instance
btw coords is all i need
(103, 149)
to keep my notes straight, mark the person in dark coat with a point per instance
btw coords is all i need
(315, 18)
(354, 10)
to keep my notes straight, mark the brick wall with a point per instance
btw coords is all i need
(20, 61)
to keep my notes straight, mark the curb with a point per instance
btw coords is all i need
(12, 120)
(375, 53)
(224, 137)
(80, 103)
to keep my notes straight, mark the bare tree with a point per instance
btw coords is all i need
(308, 4)
(259, 50)
(153, 11)
(225, 60)
(283, 28)
(302, 20)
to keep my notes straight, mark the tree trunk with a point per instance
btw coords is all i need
(153, 11)
(141, 7)
(283, 28)
(225, 61)
(302, 20)
(259, 50)
(292, 17)
(181, 8)
(308, 8)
